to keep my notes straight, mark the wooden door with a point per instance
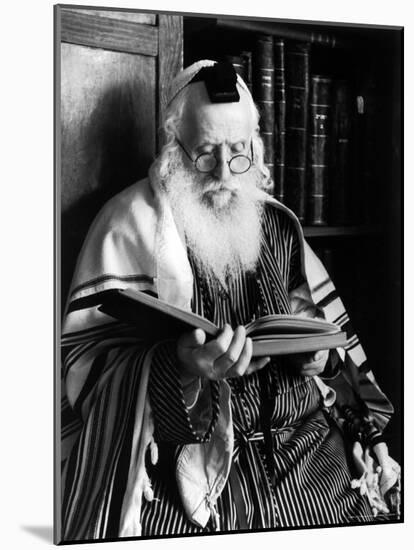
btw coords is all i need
(112, 71)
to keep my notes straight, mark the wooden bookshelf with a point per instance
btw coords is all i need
(340, 231)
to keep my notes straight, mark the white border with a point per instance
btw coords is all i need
(26, 234)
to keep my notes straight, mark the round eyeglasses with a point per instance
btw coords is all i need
(207, 162)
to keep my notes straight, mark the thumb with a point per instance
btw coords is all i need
(319, 355)
(193, 339)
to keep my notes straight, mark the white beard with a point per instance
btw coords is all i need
(221, 221)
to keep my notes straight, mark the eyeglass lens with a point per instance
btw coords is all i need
(208, 162)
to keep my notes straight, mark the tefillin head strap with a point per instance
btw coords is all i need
(220, 81)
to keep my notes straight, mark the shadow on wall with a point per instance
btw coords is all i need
(99, 158)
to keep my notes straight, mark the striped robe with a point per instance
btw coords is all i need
(312, 483)
(105, 364)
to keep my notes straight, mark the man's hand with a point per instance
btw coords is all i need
(309, 364)
(229, 355)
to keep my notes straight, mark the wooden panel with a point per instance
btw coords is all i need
(134, 17)
(111, 34)
(108, 106)
(170, 59)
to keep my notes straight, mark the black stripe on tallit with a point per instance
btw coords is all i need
(96, 369)
(94, 300)
(352, 346)
(328, 299)
(113, 277)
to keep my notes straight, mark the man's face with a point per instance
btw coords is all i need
(219, 212)
(224, 129)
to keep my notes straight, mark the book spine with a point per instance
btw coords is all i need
(339, 192)
(263, 93)
(370, 125)
(280, 119)
(238, 64)
(297, 98)
(320, 122)
(359, 189)
(247, 63)
(243, 66)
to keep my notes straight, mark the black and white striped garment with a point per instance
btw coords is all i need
(311, 480)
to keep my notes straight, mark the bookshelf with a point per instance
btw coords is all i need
(340, 230)
(360, 239)
(366, 59)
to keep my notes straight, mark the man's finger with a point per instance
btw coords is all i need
(320, 355)
(234, 351)
(312, 369)
(241, 365)
(309, 357)
(217, 347)
(257, 364)
(193, 339)
(309, 372)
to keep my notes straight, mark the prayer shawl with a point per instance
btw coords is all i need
(135, 243)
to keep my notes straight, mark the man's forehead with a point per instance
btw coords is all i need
(204, 121)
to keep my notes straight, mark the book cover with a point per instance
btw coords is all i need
(341, 162)
(319, 142)
(297, 99)
(280, 119)
(263, 94)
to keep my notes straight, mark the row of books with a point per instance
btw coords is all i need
(306, 126)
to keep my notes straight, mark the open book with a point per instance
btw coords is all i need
(271, 334)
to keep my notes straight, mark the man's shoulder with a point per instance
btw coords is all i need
(136, 204)
(137, 195)
(278, 215)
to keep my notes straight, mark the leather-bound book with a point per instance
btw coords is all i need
(280, 119)
(243, 66)
(341, 166)
(263, 94)
(238, 64)
(247, 63)
(297, 98)
(319, 137)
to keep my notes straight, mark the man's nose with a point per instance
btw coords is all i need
(222, 170)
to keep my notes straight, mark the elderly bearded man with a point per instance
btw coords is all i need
(191, 436)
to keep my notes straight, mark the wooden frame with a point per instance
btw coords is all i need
(161, 38)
